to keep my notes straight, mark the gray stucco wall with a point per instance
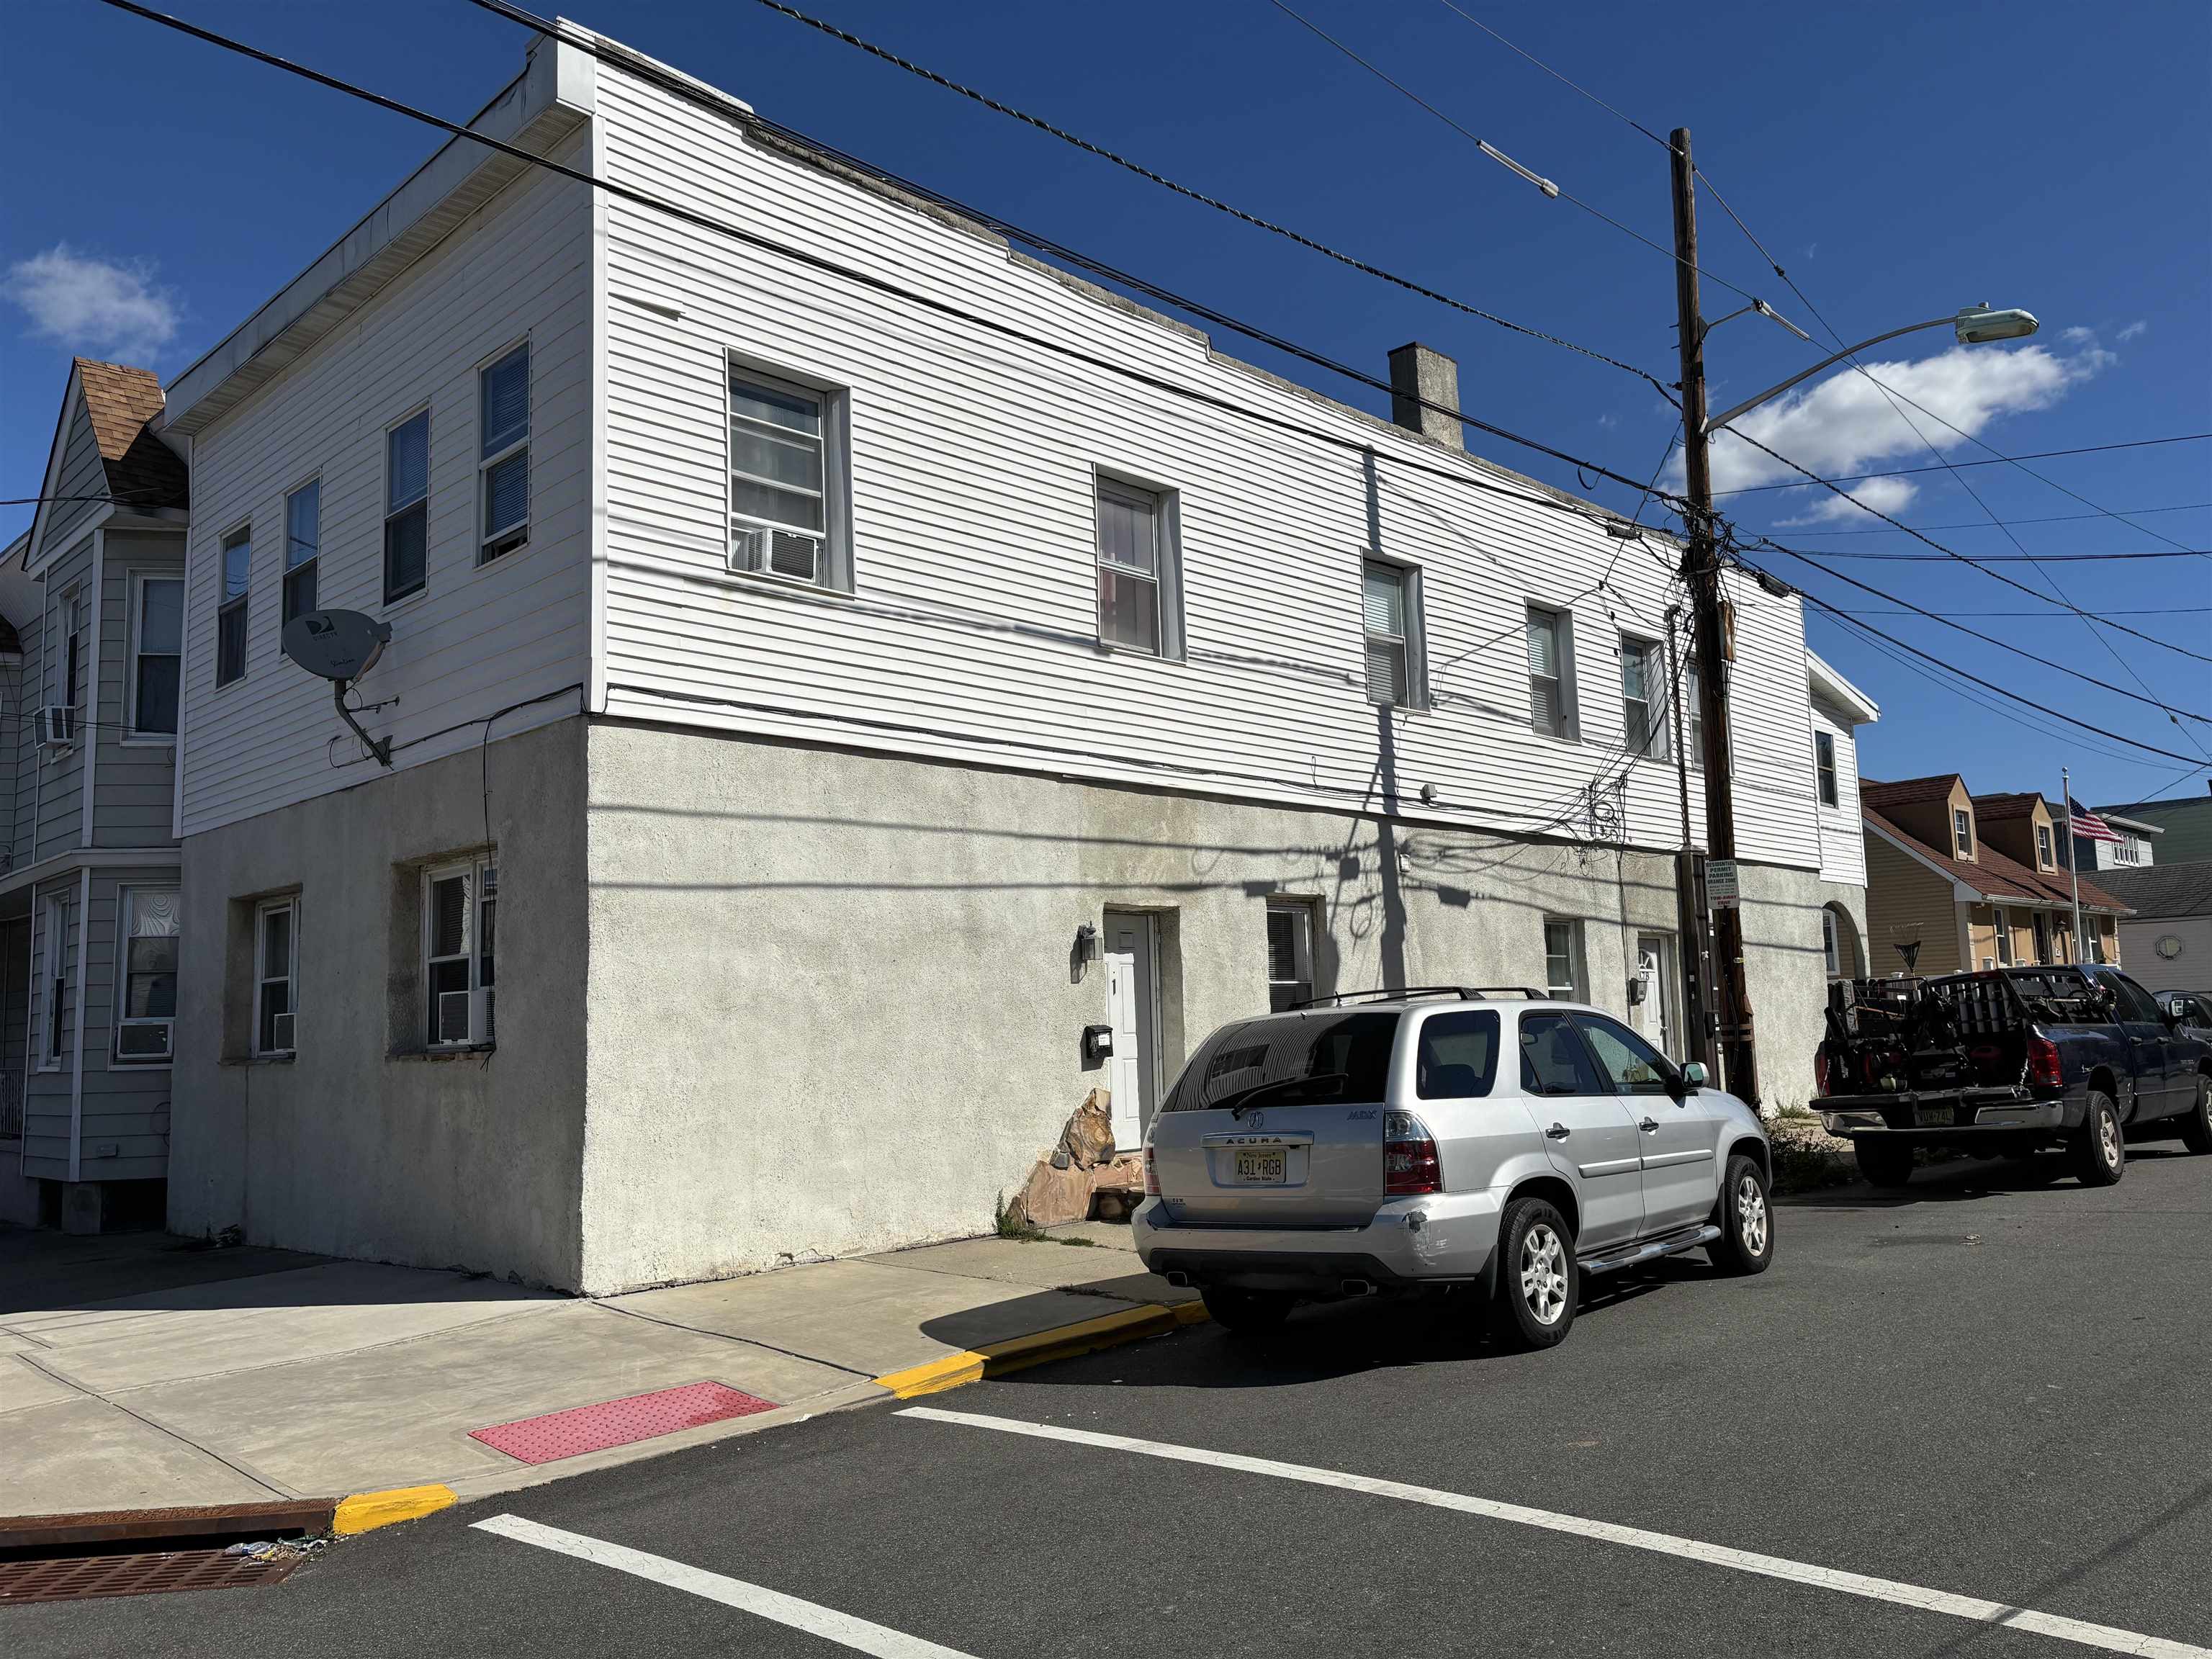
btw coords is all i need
(356, 1147)
(1787, 972)
(830, 1008)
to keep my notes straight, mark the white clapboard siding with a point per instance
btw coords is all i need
(477, 640)
(1843, 832)
(971, 631)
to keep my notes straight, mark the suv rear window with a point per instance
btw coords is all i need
(1289, 1060)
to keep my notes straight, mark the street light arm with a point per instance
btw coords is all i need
(1718, 421)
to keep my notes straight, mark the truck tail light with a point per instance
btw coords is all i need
(1152, 1173)
(1410, 1164)
(1820, 1070)
(2043, 1066)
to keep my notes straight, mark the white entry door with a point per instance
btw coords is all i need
(1653, 1018)
(1131, 957)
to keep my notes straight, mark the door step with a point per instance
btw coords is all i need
(1672, 1244)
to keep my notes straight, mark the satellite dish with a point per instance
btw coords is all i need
(337, 645)
(340, 646)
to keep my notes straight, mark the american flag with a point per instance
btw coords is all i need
(2088, 825)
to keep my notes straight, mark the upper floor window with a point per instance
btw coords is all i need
(157, 653)
(230, 613)
(1693, 702)
(73, 649)
(503, 453)
(2044, 859)
(1643, 706)
(1135, 568)
(1962, 832)
(785, 481)
(407, 506)
(303, 546)
(1823, 766)
(460, 905)
(1391, 612)
(1551, 686)
(151, 930)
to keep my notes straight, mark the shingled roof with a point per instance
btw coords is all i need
(1994, 876)
(1906, 792)
(143, 473)
(1996, 809)
(2163, 890)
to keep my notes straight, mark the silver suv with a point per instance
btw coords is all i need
(1492, 1140)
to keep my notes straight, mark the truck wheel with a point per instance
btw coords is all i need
(1245, 1310)
(2100, 1151)
(1538, 1280)
(1884, 1163)
(2196, 1122)
(1745, 1220)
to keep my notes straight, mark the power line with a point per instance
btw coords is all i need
(2154, 610)
(1564, 194)
(1953, 467)
(1587, 512)
(1555, 75)
(1213, 202)
(2008, 558)
(1985, 524)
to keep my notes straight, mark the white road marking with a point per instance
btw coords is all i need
(826, 1622)
(2103, 1637)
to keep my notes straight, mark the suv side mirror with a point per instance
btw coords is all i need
(1693, 1077)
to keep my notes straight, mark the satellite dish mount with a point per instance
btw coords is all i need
(340, 647)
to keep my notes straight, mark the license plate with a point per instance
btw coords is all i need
(1931, 1117)
(1265, 1168)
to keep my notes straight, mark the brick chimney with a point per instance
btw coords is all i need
(1419, 374)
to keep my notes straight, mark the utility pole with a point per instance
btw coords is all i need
(1701, 570)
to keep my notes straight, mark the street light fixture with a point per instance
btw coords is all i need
(1973, 324)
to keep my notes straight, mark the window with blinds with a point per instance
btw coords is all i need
(503, 454)
(1387, 612)
(1129, 558)
(406, 507)
(1694, 705)
(1643, 710)
(151, 936)
(157, 646)
(1824, 768)
(1551, 700)
(779, 480)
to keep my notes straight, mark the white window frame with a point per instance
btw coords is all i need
(225, 602)
(1166, 575)
(312, 564)
(2004, 937)
(833, 403)
(123, 897)
(508, 538)
(1577, 971)
(1828, 783)
(263, 979)
(1410, 643)
(1693, 708)
(2041, 921)
(483, 876)
(53, 984)
(72, 647)
(420, 412)
(137, 592)
(1658, 717)
(1563, 680)
(1962, 832)
(1832, 950)
(1304, 924)
(2046, 848)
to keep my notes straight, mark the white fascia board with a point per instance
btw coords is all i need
(559, 82)
(1827, 683)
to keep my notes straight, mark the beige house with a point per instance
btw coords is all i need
(1957, 882)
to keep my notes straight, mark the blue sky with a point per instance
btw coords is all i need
(1899, 162)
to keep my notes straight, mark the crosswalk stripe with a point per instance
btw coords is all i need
(2105, 1638)
(828, 1623)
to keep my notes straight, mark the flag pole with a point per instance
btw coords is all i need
(2073, 859)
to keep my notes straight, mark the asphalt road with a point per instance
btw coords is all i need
(1996, 1386)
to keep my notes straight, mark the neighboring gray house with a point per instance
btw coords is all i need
(89, 901)
(2167, 942)
(2135, 850)
(2184, 823)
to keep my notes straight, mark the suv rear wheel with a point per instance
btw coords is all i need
(2196, 1121)
(1245, 1310)
(2100, 1151)
(1538, 1279)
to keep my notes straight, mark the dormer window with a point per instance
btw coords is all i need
(1962, 832)
(2044, 860)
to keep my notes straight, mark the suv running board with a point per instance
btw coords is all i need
(1674, 1242)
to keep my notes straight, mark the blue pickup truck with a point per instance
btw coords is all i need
(2007, 1063)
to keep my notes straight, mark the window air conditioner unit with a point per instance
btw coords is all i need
(454, 1016)
(279, 1033)
(755, 550)
(137, 1042)
(57, 725)
(748, 548)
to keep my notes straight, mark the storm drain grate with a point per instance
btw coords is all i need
(618, 1422)
(82, 1578)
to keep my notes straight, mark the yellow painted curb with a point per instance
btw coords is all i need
(367, 1510)
(1038, 1347)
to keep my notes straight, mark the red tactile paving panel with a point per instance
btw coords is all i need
(618, 1422)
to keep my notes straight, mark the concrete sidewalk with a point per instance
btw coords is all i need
(138, 1370)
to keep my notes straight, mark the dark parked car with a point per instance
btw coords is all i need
(2008, 1062)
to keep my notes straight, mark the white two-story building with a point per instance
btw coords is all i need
(833, 666)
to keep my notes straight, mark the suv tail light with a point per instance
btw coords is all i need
(1410, 1165)
(2043, 1066)
(1152, 1173)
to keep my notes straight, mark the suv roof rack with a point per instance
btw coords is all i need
(1465, 992)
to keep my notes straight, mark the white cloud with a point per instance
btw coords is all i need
(1843, 424)
(1812, 249)
(2133, 331)
(1890, 495)
(1608, 421)
(103, 307)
